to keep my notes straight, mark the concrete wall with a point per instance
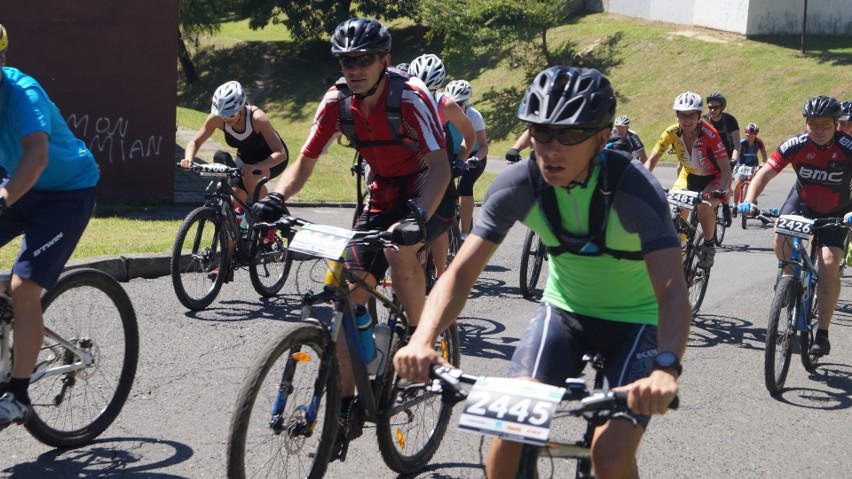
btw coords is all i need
(747, 17)
(110, 66)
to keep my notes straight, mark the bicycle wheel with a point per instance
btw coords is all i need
(780, 334)
(270, 264)
(200, 247)
(696, 277)
(744, 216)
(721, 225)
(89, 309)
(806, 339)
(412, 422)
(532, 258)
(284, 422)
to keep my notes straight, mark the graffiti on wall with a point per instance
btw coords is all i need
(108, 138)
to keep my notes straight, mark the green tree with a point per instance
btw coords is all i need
(478, 33)
(315, 19)
(198, 17)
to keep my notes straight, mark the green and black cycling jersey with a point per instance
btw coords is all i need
(614, 285)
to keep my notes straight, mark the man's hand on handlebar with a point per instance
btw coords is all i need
(746, 207)
(414, 361)
(270, 208)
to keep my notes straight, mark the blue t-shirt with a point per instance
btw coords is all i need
(26, 109)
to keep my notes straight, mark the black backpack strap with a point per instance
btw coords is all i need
(393, 109)
(612, 166)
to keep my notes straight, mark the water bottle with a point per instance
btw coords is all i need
(382, 334)
(242, 221)
(365, 332)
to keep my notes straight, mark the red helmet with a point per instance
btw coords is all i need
(752, 129)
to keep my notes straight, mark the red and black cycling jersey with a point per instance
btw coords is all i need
(823, 174)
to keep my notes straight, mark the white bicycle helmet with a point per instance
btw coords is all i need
(459, 90)
(622, 120)
(430, 69)
(228, 99)
(688, 101)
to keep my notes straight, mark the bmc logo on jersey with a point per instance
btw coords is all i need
(821, 176)
(796, 140)
(846, 142)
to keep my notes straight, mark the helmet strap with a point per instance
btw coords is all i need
(375, 87)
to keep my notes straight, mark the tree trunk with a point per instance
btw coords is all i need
(186, 61)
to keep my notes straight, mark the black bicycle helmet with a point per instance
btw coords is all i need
(568, 96)
(718, 97)
(822, 106)
(360, 35)
(619, 143)
(846, 111)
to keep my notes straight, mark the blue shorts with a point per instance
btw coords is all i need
(52, 223)
(552, 348)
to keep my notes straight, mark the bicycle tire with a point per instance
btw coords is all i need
(197, 252)
(744, 216)
(721, 226)
(780, 334)
(270, 265)
(696, 277)
(91, 309)
(806, 338)
(529, 276)
(397, 432)
(255, 447)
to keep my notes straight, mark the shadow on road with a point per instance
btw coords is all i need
(710, 330)
(481, 338)
(837, 377)
(113, 456)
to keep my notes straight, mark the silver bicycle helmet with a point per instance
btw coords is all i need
(360, 35)
(688, 101)
(846, 111)
(622, 120)
(822, 106)
(228, 99)
(430, 69)
(459, 90)
(568, 96)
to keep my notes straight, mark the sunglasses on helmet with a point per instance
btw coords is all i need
(565, 136)
(362, 61)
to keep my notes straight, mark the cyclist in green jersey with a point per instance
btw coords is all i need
(616, 282)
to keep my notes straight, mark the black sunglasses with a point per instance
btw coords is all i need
(717, 107)
(566, 136)
(362, 61)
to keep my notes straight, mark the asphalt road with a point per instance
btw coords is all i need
(191, 366)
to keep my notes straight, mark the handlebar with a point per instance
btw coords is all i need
(447, 382)
(217, 170)
(377, 239)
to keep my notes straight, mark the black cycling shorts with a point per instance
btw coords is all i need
(553, 345)
(223, 157)
(833, 237)
(469, 176)
(363, 258)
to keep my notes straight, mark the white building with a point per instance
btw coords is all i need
(746, 17)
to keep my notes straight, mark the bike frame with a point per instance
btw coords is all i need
(336, 291)
(806, 280)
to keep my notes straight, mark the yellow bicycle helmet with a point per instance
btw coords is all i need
(4, 38)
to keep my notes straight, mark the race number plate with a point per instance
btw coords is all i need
(321, 241)
(511, 408)
(214, 170)
(794, 225)
(683, 198)
(746, 170)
